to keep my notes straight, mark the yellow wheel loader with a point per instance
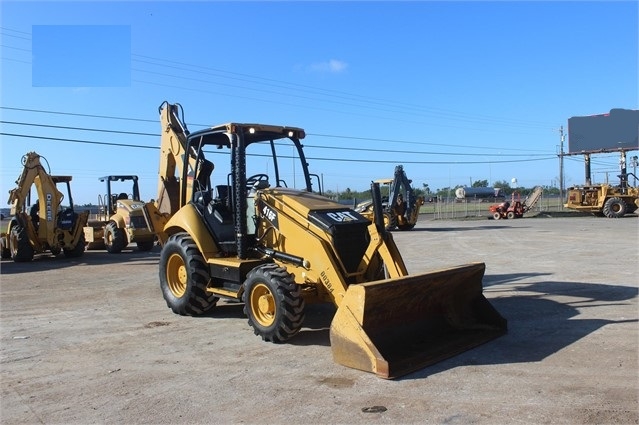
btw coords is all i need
(604, 200)
(120, 221)
(276, 248)
(48, 226)
(400, 207)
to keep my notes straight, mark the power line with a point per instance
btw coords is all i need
(358, 160)
(366, 103)
(334, 93)
(78, 115)
(90, 142)
(310, 134)
(313, 107)
(99, 130)
(306, 144)
(253, 79)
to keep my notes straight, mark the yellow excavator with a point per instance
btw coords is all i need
(400, 207)
(48, 226)
(276, 248)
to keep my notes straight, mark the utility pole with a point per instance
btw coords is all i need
(561, 163)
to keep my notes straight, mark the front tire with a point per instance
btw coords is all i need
(614, 208)
(19, 245)
(273, 303)
(497, 216)
(114, 238)
(184, 277)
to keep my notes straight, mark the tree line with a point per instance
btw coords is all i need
(445, 192)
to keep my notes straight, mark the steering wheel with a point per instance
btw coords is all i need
(254, 179)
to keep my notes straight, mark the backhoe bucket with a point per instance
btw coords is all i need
(397, 326)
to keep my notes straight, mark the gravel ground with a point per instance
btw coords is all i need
(91, 341)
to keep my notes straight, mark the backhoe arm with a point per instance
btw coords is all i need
(33, 173)
(172, 159)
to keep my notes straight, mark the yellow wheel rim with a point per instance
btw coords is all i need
(262, 305)
(176, 275)
(387, 220)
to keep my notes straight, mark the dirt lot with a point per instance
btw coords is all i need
(91, 340)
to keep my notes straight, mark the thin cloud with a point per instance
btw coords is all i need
(332, 66)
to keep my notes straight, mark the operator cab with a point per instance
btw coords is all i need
(229, 210)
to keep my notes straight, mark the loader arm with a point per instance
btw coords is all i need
(387, 322)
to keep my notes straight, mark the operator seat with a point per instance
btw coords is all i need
(123, 196)
(219, 219)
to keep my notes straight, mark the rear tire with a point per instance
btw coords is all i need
(273, 303)
(77, 250)
(5, 252)
(19, 245)
(614, 208)
(390, 221)
(510, 215)
(114, 238)
(405, 226)
(184, 277)
(146, 246)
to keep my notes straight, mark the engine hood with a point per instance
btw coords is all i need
(130, 205)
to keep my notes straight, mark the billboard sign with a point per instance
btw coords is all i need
(612, 132)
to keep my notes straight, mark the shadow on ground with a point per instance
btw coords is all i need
(46, 261)
(538, 326)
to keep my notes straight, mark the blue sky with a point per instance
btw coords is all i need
(454, 91)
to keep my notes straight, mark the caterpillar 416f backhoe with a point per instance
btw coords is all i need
(277, 248)
(47, 226)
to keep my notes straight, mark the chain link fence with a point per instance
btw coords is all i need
(442, 208)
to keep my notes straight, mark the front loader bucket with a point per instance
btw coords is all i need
(397, 326)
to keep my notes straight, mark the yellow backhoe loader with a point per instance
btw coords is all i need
(400, 207)
(276, 248)
(120, 220)
(48, 226)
